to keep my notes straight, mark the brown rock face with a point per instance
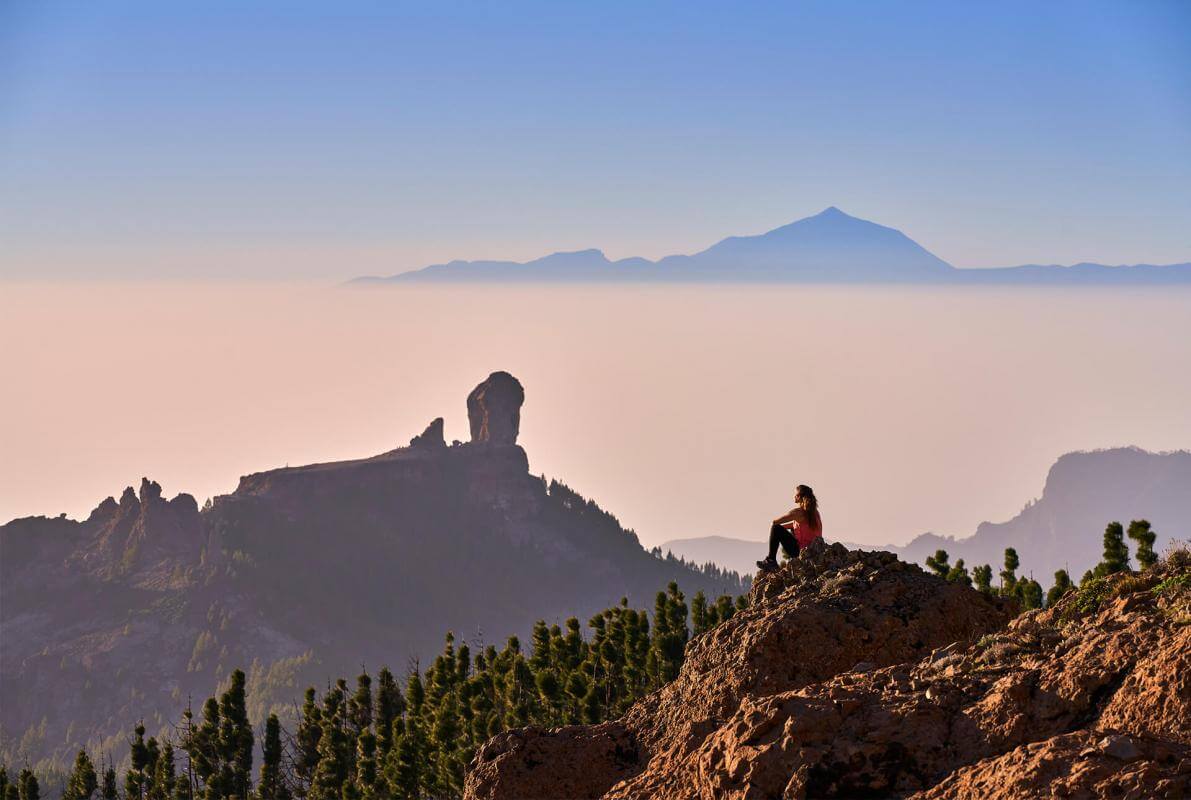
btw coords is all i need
(494, 409)
(823, 614)
(1089, 699)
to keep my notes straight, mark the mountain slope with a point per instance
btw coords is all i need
(1084, 491)
(301, 574)
(829, 247)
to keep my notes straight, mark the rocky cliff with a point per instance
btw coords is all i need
(298, 576)
(855, 675)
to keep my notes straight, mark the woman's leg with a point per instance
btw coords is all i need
(779, 535)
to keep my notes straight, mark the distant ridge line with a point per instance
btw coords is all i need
(828, 247)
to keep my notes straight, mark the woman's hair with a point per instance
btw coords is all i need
(812, 505)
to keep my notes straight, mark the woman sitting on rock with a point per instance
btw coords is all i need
(795, 529)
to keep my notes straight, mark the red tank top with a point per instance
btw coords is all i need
(805, 534)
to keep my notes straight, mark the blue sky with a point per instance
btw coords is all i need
(325, 140)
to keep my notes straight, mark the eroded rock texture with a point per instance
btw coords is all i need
(1089, 699)
(494, 409)
(824, 614)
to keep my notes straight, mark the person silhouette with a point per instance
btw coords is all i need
(795, 529)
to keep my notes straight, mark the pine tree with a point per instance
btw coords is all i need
(1009, 573)
(164, 783)
(359, 708)
(407, 779)
(1031, 594)
(271, 786)
(540, 642)
(109, 791)
(27, 788)
(1141, 532)
(389, 706)
(448, 769)
(136, 780)
(982, 576)
(938, 563)
(310, 730)
(235, 737)
(1116, 552)
(202, 747)
(334, 762)
(959, 574)
(367, 778)
(699, 612)
(82, 782)
(1061, 586)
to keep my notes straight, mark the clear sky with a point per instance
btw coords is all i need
(325, 140)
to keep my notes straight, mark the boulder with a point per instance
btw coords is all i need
(494, 409)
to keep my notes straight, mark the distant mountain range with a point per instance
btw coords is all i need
(300, 575)
(1062, 529)
(830, 247)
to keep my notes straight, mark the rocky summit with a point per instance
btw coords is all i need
(852, 674)
(299, 574)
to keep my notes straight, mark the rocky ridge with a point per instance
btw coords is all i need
(855, 675)
(300, 575)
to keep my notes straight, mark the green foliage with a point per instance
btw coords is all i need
(376, 742)
(938, 563)
(1061, 586)
(27, 787)
(1141, 532)
(982, 575)
(1030, 594)
(1116, 552)
(1009, 573)
(959, 573)
(82, 782)
(271, 785)
(1172, 584)
(1089, 597)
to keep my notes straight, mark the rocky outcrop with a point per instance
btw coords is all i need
(300, 573)
(145, 540)
(823, 614)
(494, 409)
(1080, 764)
(432, 437)
(1091, 698)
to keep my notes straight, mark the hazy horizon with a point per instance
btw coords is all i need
(686, 411)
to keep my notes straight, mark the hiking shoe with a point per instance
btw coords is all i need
(767, 565)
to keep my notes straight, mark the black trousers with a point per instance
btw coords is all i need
(779, 535)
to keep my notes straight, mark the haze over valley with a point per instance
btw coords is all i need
(909, 410)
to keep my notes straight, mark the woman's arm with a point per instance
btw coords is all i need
(795, 514)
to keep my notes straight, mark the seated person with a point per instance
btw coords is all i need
(795, 529)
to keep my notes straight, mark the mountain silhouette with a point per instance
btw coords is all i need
(829, 247)
(297, 576)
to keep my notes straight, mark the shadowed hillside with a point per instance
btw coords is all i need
(299, 575)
